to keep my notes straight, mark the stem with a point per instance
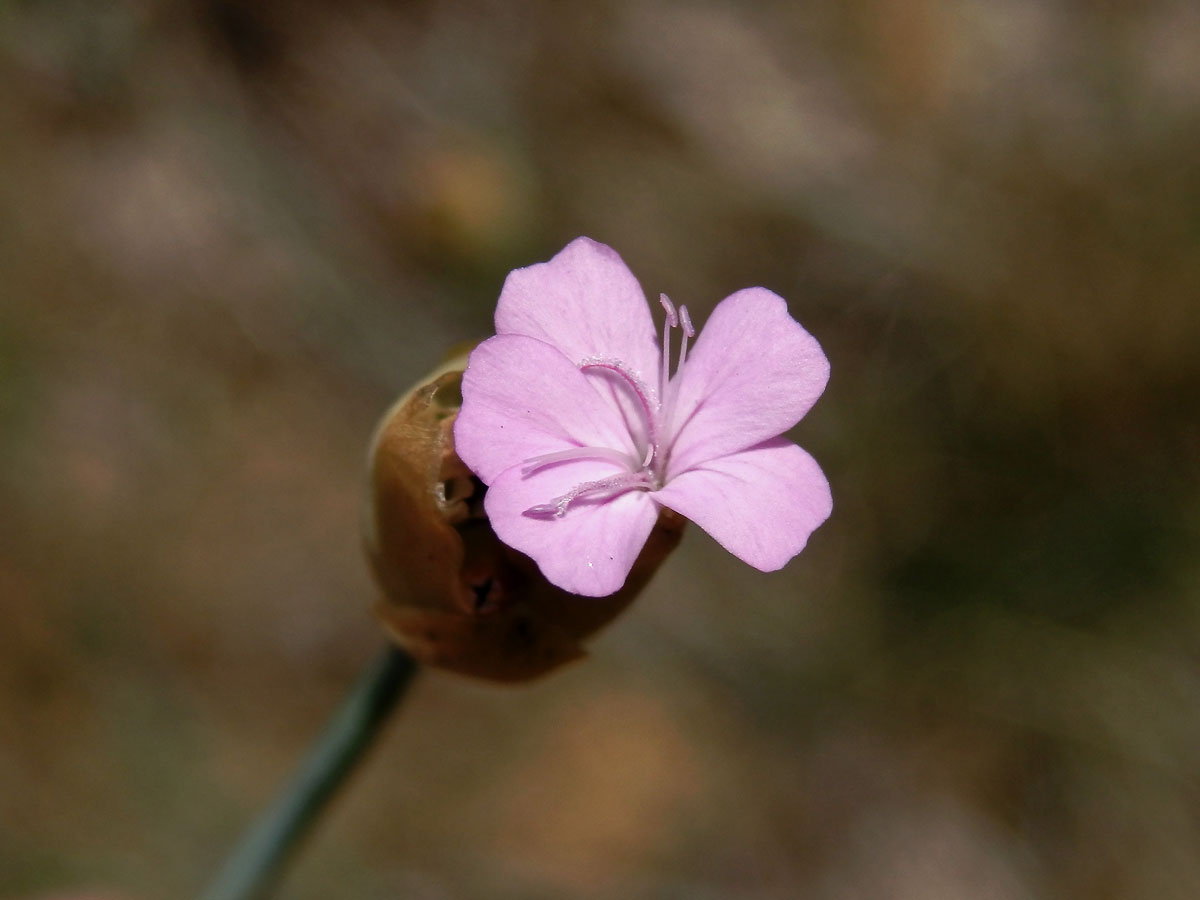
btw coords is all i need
(255, 864)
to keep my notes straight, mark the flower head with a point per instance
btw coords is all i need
(573, 419)
(452, 594)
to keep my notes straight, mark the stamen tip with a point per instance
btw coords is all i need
(669, 308)
(543, 510)
(686, 320)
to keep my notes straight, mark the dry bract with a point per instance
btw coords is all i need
(453, 594)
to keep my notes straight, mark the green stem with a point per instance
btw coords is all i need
(255, 864)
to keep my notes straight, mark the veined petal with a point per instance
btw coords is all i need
(522, 398)
(585, 302)
(760, 504)
(753, 373)
(591, 548)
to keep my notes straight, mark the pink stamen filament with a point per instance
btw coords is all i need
(664, 376)
(613, 485)
(685, 321)
(643, 394)
(546, 459)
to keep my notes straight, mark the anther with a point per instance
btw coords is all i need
(688, 332)
(616, 484)
(686, 321)
(672, 318)
(664, 375)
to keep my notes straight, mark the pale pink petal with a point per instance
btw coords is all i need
(760, 504)
(754, 372)
(522, 398)
(585, 302)
(591, 548)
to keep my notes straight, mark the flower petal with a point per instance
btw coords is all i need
(753, 374)
(591, 548)
(585, 302)
(760, 504)
(522, 398)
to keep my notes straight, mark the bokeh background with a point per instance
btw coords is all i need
(231, 232)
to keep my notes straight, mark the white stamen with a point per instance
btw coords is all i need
(686, 319)
(688, 332)
(640, 389)
(538, 462)
(616, 484)
(664, 375)
(672, 318)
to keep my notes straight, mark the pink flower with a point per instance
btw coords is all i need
(571, 417)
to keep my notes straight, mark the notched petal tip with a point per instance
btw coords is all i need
(753, 373)
(585, 302)
(761, 504)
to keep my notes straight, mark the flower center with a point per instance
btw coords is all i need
(655, 408)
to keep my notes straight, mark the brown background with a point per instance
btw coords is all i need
(231, 233)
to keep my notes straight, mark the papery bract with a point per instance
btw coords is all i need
(572, 418)
(451, 593)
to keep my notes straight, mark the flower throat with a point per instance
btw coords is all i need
(656, 406)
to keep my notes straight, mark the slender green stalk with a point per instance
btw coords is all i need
(254, 865)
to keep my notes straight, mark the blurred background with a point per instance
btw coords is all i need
(232, 232)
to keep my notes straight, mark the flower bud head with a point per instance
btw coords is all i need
(453, 594)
